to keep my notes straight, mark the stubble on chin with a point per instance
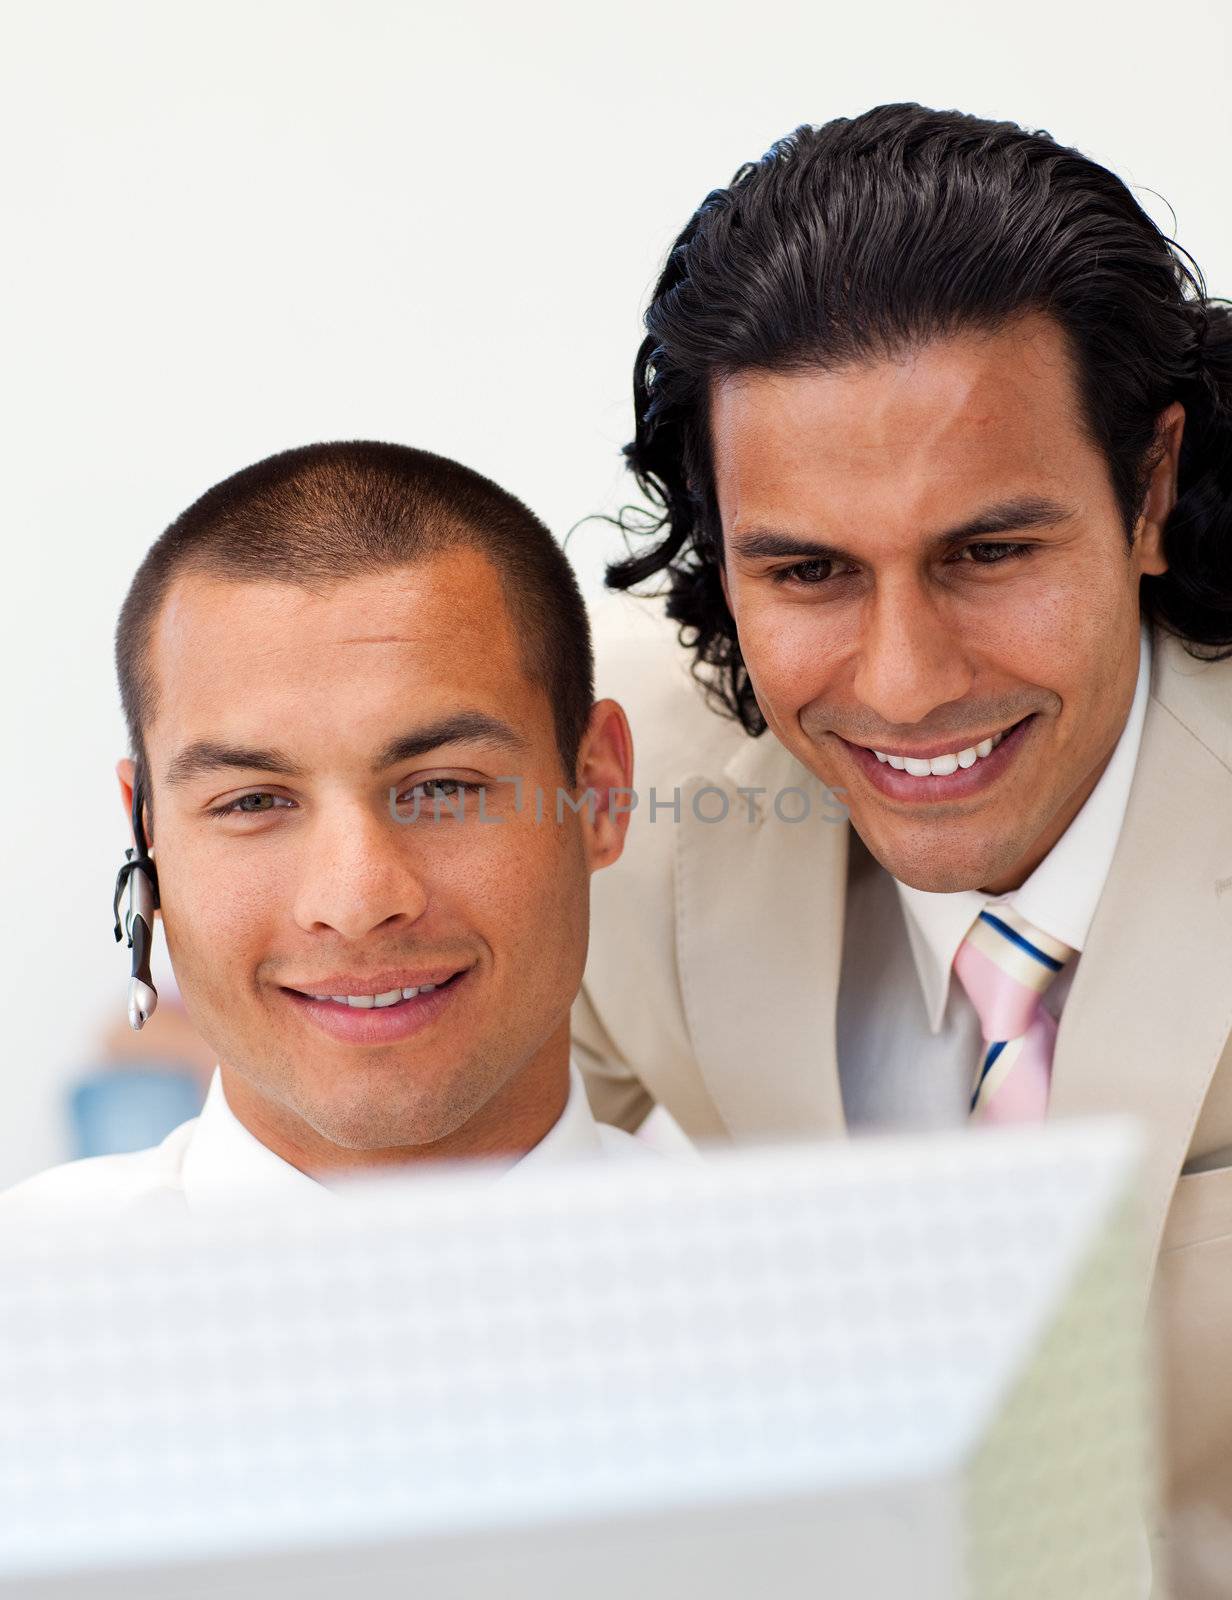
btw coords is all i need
(936, 865)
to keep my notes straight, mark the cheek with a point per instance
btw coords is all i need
(218, 919)
(531, 907)
(789, 649)
(798, 653)
(1068, 632)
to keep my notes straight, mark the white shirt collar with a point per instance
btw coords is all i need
(224, 1164)
(1060, 896)
(573, 1136)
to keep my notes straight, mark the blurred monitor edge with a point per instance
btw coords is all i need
(896, 1367)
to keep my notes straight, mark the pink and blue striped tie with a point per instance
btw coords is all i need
(1005, 964)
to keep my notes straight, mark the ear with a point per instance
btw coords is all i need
(126, 772)
(1160, 493)
(605, 764)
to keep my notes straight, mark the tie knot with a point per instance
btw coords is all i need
(1005, 964)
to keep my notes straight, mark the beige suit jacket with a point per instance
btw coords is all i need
(713, 976)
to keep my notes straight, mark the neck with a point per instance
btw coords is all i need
(508, 1125)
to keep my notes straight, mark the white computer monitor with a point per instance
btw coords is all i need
(882, 1368)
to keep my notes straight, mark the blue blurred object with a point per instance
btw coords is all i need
(117, 1109)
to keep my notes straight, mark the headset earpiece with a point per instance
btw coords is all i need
(139, 877)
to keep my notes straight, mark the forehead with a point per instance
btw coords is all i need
(255, 661)
(947, 425)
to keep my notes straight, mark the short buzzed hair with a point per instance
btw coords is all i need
(327, 512)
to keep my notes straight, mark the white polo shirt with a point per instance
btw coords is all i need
(212, 1164)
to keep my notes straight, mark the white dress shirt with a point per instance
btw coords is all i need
(213, 1163)
(908, 1038)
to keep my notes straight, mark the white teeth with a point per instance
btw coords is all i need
(942, 766)
(364, 1002)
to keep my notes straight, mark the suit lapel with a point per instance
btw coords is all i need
(759, 939)
(1148, 1016)
(760, 909)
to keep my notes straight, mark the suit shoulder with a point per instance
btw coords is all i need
(640, 662)
(1198, 693)
(97, 1185)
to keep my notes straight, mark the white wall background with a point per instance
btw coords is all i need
(238, 227)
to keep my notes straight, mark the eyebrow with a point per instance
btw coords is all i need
(210, 755)
(471, 727)
(1006, 516)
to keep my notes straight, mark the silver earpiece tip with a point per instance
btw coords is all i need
(141, 1002)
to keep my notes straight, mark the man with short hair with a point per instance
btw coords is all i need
(374, 784)
(939, 429)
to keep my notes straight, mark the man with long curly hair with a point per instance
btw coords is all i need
(936, 428)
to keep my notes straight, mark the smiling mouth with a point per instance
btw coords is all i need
(932, 777)
(942, 764)
(382, 1000)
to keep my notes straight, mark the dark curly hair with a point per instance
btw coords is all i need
(846, 242)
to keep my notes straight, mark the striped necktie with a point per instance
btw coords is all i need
(1005, 964)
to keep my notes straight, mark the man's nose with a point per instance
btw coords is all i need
(360, 873)
(911, 658)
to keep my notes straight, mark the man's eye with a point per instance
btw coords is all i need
(988, 555)
(446, 795)
(816, 570)
(441, 788)
(249, 805)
